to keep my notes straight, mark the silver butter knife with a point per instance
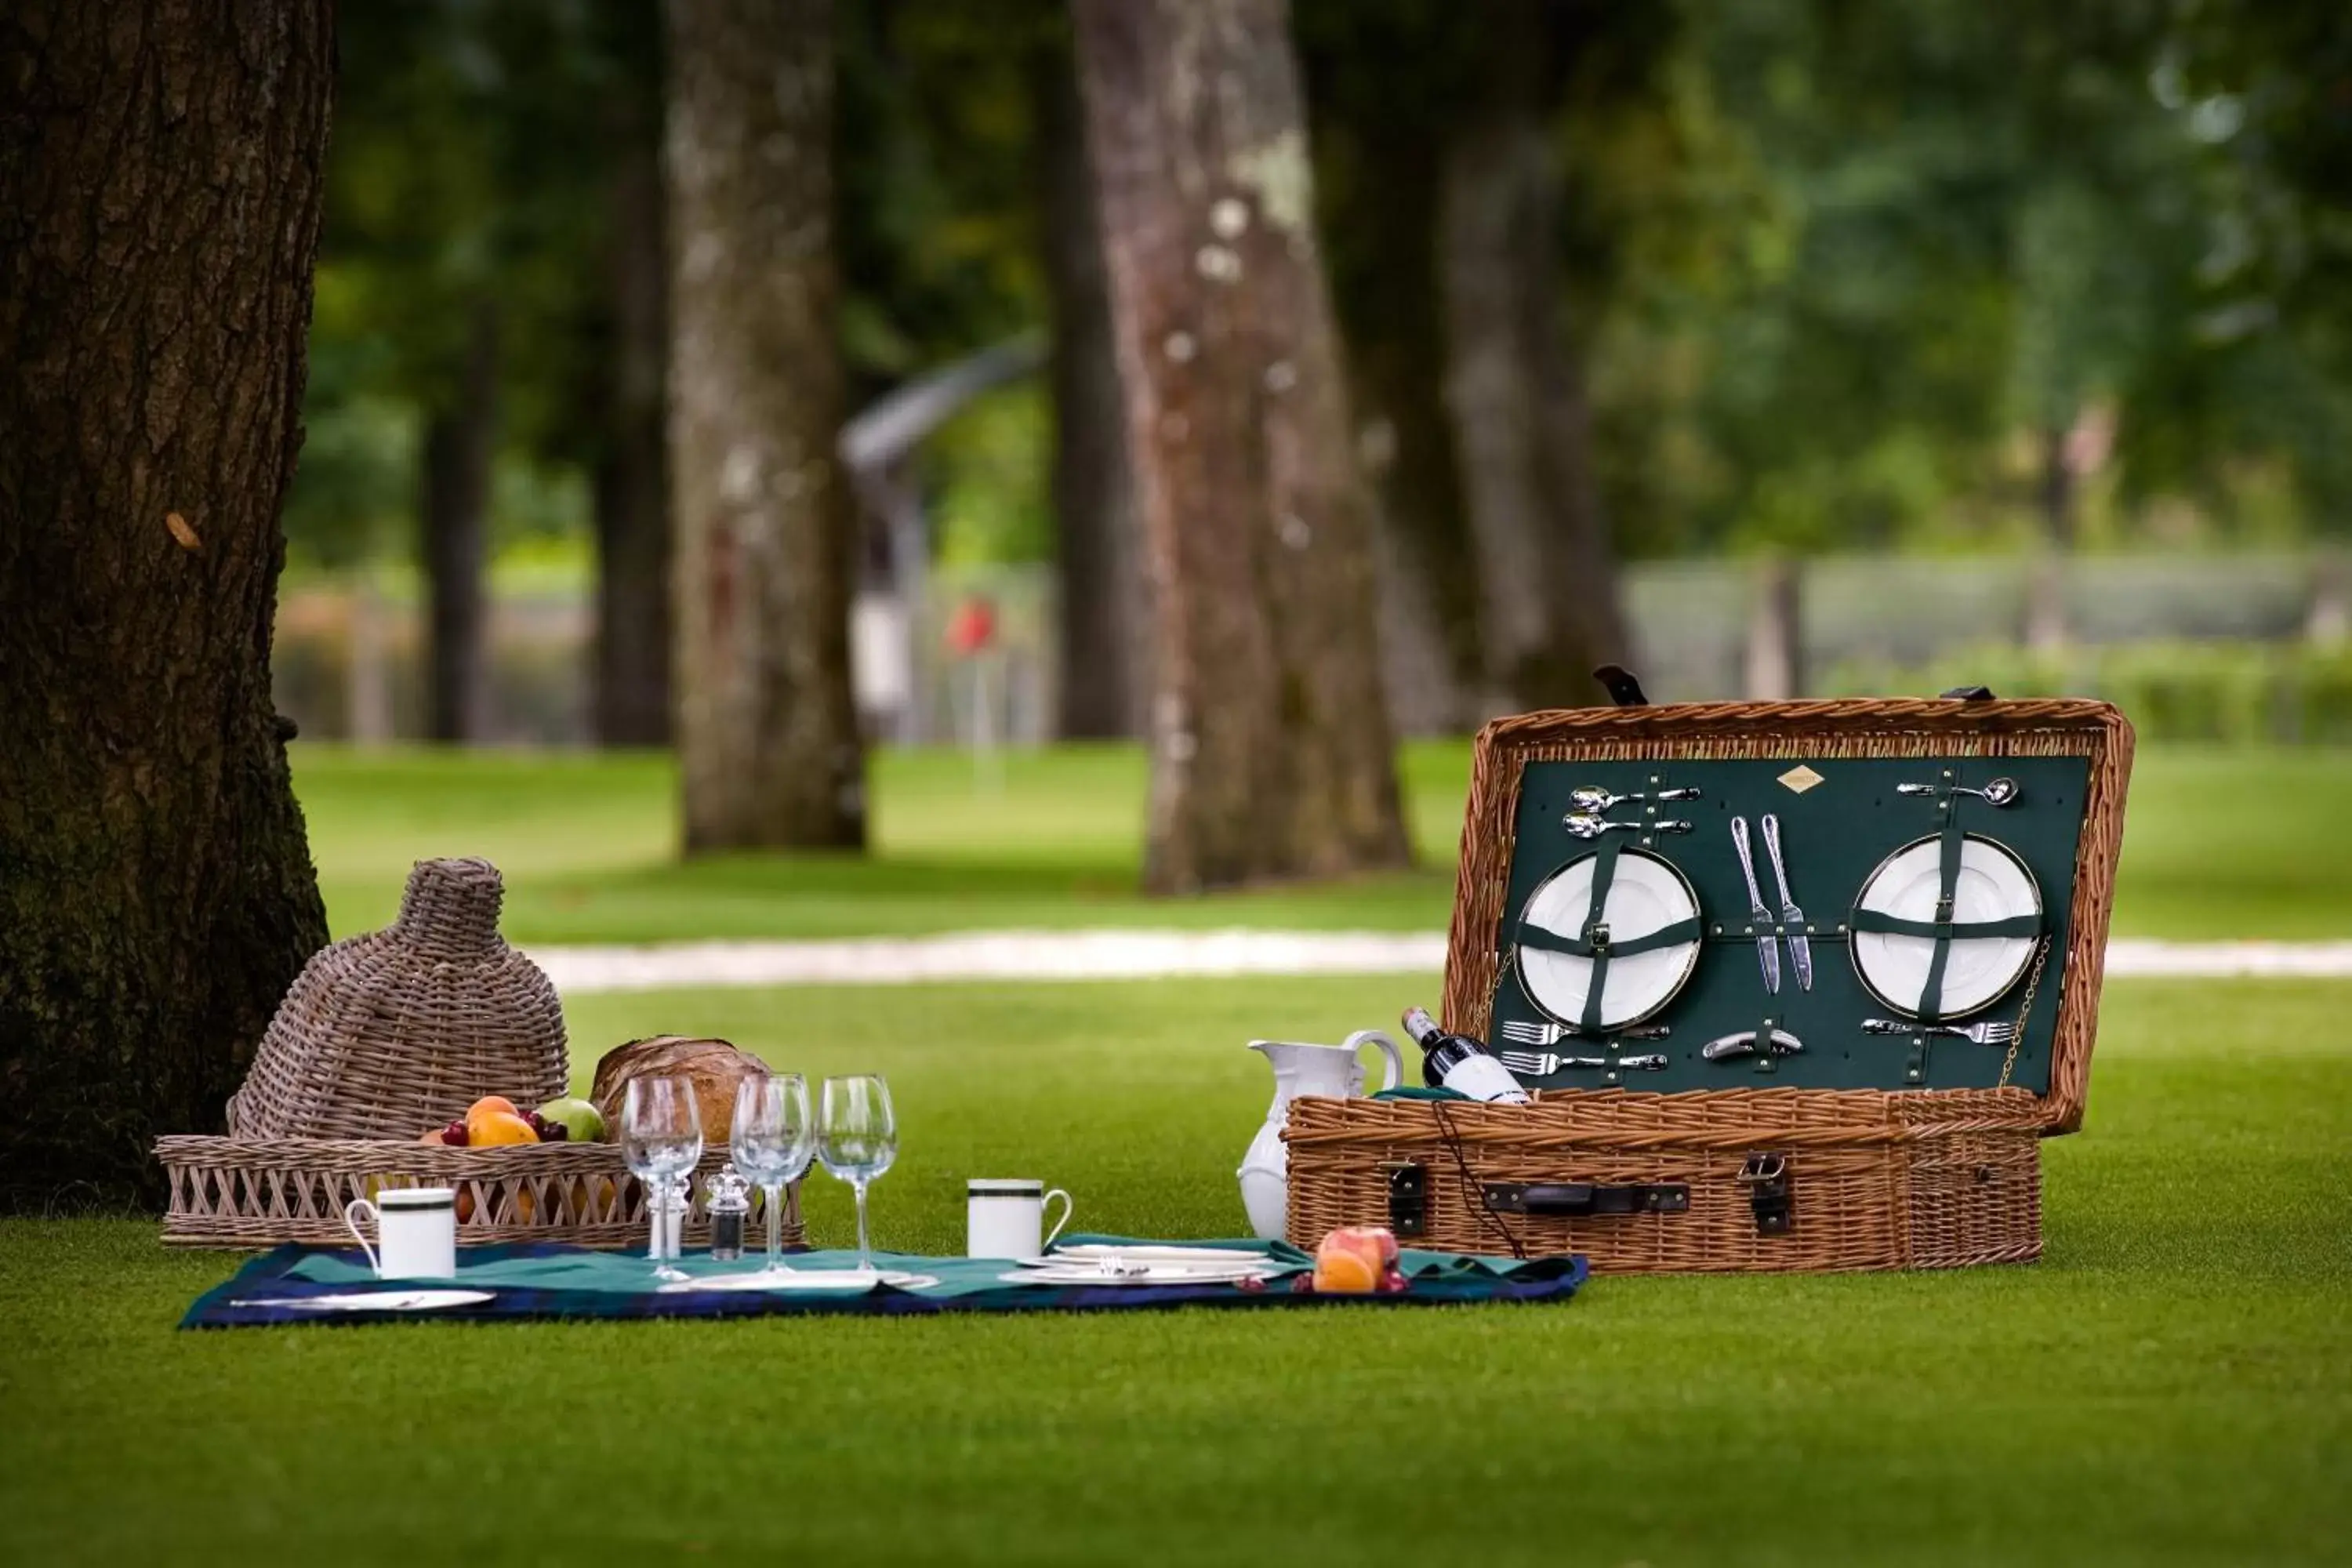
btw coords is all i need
(1800, 952)
(1767, 945)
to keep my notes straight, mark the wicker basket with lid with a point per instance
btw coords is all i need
(382, 1038)
(1870, 1150)
(384, 1033)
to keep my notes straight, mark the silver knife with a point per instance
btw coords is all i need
(1743, 1043)
(1767, 945)
(1800, 952)
(1651, 1063)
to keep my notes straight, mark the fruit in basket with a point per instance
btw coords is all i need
(581, 1121)
(713, 1066)
(492, 1121)
(498, 1128)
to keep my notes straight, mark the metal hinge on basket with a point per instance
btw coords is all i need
(1765, 1177)
(1575, 1198)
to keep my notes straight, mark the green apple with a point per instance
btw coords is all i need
(581, 1121)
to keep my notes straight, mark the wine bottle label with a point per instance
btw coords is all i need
(1481, 1076)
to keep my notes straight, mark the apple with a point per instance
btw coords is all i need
(582, 1122)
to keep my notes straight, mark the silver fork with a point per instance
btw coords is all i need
(1543, 1064)
(1989, 1032)
(1527, 1032)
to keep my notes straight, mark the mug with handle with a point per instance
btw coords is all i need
(1007, 1219)
(416, 1232)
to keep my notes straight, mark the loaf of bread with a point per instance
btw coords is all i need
(713, 1066)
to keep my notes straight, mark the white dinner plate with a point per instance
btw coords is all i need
(1094, 1252)
(377, 1300)
(1647, 895)
(1993, 885)
(841, 1281)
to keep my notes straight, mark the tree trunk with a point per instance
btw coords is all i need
(766, 559)
(632, 481)
(460, 444)
(1270, 743)
(2046, 581)
(1516, 390)
(1103, 610)
(160, 178)
(1392, 313)
(1775, 667)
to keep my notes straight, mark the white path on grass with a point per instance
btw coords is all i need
(1161, 955)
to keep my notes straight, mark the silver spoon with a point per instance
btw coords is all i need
(1592, 800)
(2000, 792)
(1593, 827)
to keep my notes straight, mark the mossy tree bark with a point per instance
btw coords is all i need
(1271, 745)
(765, 561)
(160, 180)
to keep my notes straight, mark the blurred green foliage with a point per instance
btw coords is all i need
(2237, 692)
(1841, 272)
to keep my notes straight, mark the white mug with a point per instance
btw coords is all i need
(1007, 1218)
(416, 1230)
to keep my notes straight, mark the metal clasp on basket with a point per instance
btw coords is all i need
(1765, 1177)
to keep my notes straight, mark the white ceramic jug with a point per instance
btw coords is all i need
(1300, 1069)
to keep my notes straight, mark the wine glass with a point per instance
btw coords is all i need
(772, 1138)
(858, 1141)
(661, 1139)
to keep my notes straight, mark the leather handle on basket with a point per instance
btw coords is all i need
(1575, 1199)
(1970, 693)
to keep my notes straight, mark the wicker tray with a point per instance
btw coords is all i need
(1871, 1177)
(238, 1193)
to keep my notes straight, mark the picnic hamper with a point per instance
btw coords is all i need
(1907, 1146)
(381, 1037)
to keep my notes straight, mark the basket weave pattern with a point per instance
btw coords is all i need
(1878, 1184)
(391, 1033)
(1916, 1180)
(260, 1192)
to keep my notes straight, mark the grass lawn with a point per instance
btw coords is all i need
(2173, 1382)
(2218, 844)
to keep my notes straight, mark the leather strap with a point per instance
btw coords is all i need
(1875, 921)
(1674, 935)
(1595, 931)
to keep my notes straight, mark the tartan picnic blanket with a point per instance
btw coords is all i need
(543, 1281)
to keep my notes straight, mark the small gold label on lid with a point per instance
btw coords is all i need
(1799, 779)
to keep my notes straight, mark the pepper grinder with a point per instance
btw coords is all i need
(730, 1202)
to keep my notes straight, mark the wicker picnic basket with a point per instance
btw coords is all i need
(381, 1037)
(1753, 1176)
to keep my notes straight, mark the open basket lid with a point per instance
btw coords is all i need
(1934, 901)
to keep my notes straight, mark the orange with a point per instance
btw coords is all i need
(1340, 1272)
(493, 1102)
(490, 1129)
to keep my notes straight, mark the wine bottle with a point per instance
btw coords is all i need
(1460, 1063)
